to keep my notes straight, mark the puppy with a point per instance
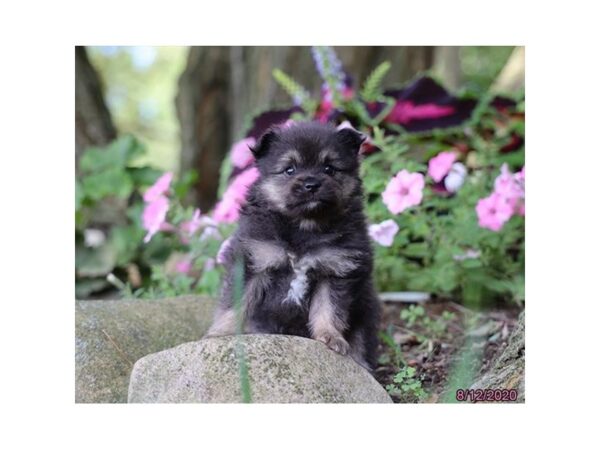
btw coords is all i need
(303, 244)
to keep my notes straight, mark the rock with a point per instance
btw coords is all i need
(110, 335)
(281, 369)
(507, 371)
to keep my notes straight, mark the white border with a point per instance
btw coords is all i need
(37, 80)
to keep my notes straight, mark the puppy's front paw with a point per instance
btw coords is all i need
(335, 342)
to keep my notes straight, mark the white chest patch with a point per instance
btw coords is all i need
(299, 284)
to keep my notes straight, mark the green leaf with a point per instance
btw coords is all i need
(126, 241)
(118, 154)
(185, 183)
(371, 90)
(115, 182)
(79, 195)
(417, 249)
(295, 90)
(94, 262)
(144, 176)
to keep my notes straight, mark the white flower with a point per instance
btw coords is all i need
(456, 177)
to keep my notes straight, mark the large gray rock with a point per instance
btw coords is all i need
(281, 369)
(110, 335)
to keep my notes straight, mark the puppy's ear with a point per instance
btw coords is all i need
(351, 139)
(262, 146)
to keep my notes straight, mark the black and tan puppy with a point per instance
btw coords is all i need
(303, 242)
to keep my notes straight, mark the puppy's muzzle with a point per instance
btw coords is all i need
(311, 184)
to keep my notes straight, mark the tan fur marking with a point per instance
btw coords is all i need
(273, 193)
(327, 155)
(321, 316)
(292, 155)
(335, 261)
(265, 255)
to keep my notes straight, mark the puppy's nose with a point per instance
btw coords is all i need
(311, 184)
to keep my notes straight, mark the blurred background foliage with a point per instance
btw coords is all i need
(140, 85)
(141, 111)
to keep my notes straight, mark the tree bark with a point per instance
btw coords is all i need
(507, 371)
(203, 108)
(447, 66)
(512, 77)
(93, 123)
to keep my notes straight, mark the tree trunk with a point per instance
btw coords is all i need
(203, 108)
(507, 371)
(93, 123)
(447, 66)
(512, 77)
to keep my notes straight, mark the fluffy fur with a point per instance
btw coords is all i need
(303, 243)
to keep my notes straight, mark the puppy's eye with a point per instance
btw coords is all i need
(290, 170)
(329, 170)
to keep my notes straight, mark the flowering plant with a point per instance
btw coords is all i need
(429, 164)
(443, 179)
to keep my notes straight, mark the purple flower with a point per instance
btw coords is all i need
(329, 67)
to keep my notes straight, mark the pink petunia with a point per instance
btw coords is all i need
(512, 188)
(154, 216)
(440, 165)
(403, 191)
(159, 188)
(383, 233)
(506, 184)
(493, 211)
(228, 209)
(241, 156)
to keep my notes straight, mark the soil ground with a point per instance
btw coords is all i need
(429, 338)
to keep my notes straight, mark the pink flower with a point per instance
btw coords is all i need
(183, 266)
(506, 184)
(160, 187)
(154, 216)
(241, 156)
(403, 190)
(440, 165)
(383, 233)
(228, 209)
(512, 188)
(493, 212)
(221, 255)
(189, 227)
